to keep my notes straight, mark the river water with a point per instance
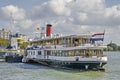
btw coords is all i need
(22, 71)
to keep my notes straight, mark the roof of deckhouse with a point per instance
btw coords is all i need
(70, 36)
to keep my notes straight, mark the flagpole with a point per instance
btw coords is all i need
(103, 35)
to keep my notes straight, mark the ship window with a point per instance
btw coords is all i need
(56, 53)
(48, 52)
(82, 53)
(60, 53)
(33, 53)
(78, 53)
(39, 52)
(94, 51)
(99, 52)
(30, 52)
(51, 53)
(66, 53)
(57, 41)
(71, 53)
(63, 53)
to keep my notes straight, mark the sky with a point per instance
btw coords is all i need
(69, 17)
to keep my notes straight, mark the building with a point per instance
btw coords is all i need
(21, 39)
(5, 33)
(17, 40)
(14, 43)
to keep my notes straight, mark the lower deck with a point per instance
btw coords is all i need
(76, 57)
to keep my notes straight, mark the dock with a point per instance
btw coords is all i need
(8, 50)
(15, 57)
(2, 59)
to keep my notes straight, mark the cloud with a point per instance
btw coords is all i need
(17, 13)
(68, 16)
(60, 7)
(18, 16)
(49, 9)
(25, 24)
(112, 15)
(79, 12)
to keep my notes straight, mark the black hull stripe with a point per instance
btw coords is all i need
(72, 64)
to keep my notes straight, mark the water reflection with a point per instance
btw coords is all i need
(29, 66)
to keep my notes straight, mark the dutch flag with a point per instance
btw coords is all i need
(97, 37)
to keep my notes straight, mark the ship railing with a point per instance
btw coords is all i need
(55, 46)
(91, 45)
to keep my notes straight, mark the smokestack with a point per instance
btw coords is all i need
(48, 30)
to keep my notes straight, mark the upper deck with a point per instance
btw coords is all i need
(68, 41)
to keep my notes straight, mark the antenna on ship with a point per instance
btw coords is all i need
(42, 34)
(11, 23)
(103, 35)
(11, 28)
(37, 32)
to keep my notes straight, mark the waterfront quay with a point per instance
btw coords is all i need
(12, 56)
(12, 51)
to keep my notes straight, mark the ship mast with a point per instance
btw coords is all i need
(11, 27)
(11, 23)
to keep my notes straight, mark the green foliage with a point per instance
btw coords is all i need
(118, 48)
(24, 45)
(4, 42)
(112, 47)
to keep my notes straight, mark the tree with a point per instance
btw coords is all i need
(24, 45)
(4, 42)
(118, 48)
(114, 46)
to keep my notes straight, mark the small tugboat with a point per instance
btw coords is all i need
(11, 57)
(74, 51)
